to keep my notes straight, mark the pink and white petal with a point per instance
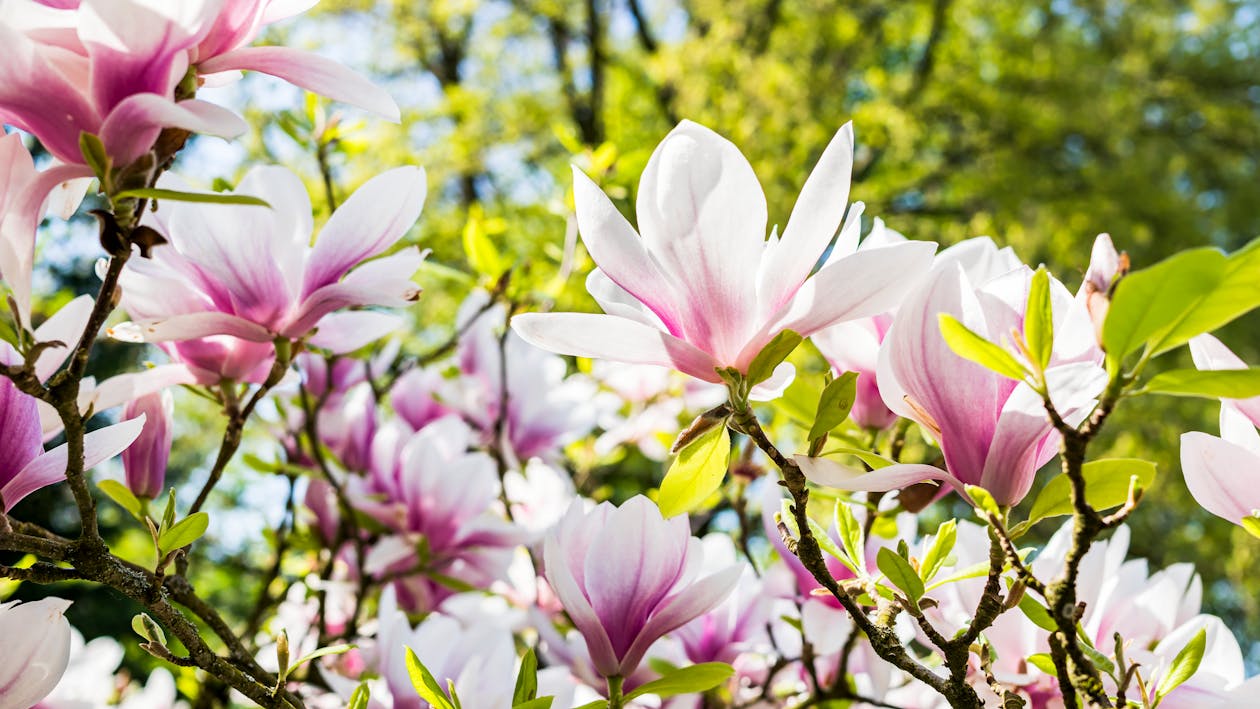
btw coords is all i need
(980, 258)
(687, 604)
(50, 467)
(33, 74)
(850, 234)
(1237, 428)
(613, 338)
(830, 473)
(702, 214)
(66, 197)
(384, 282)
(311, 72)
(348, 331)
(122, 388)
(866, 283)
(376, 216)
(138, 46)
(283, 9)
(620, 253)
(65, 326)
(17, 232)
(191, 326)
(1019, 447)
(773, 387)
(130, 130)
(572, 597)
(1221, 476)
(615, 300)
(815, 218)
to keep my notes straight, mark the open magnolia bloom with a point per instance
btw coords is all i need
(251, 273)
(703, 288)
(35, 645)
(1222, 472)
(992, 430)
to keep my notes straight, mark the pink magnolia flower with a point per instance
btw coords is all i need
(1221, 472)
(626, 576)
(145, 460)
(738, 624)
(426, 485)
(703, 288)
(35, 642)
(993, 431)
(250, 272)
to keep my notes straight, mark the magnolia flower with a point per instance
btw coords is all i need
(35, 643)
(24, 465)
(703, 288)
(479, 660)
(428, 486)
(737, 624)
(251, 273)
(17, 230)
(627, 576)
(1221, 473)
(145, 460)
(993, 431)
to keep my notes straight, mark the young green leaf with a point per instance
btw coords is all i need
(536, 703)
(526, 679)
(168, 514)
(1236, 293)
(696, 473)
(1106, 486)
(425, 684)
(1184, 665)
(834, 404)
(974, 348)
(94, 155)
(900, 573)
(939, 550)
(360, 697)
(200, 197)
(686, 680)
(1206, 383)
(983, 500)
(122, 495)
(1150, 305)
(1039, 319)
(322, 652)
(772, 355)
(852, 535)
(1037, 613)
(1251, 523)
(185, 532)
(874, 460)
(1043, 662)
(829, 546)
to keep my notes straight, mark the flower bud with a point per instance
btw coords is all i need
(145, 460)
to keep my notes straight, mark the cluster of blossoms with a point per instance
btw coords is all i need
(463, 535)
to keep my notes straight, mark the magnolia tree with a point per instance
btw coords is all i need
(448, 514)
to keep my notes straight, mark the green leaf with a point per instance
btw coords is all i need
(322, 652)
(852, 535)
(1209, 384)
(686, 680)
(939, 550)
(771, 356)
(1043, 662)
(828, 545)
(1037, 613)
(1252, 524)
(974, 348)
(536, 703)
(696, 473)
(185, 532)
(1106, 486)
(984, 500)
(426, 685)
(201, 197)
(123, 496)
(834, 404)
(1155, 305)
(1236, 293)
(527, 679)
(900, 573)
(1184, 665)
(94, 155)
(359, 697)
(1039, 319)
(168, 514)
(597, 704)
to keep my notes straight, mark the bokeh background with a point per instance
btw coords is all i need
(1038, 123)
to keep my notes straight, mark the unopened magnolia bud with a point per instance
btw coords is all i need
(282, 653)
(145, 460)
